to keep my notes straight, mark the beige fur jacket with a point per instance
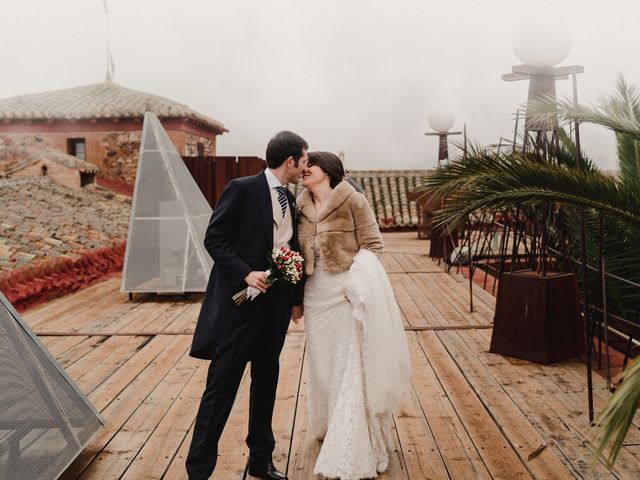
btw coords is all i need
(345, 225)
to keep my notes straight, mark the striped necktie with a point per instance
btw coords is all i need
(282, 198)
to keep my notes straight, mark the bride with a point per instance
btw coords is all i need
(358, 360)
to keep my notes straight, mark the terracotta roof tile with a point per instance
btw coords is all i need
(100, 100)
(40, 219)
(13, 159)
(386, 191)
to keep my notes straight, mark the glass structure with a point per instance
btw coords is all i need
(169, 217)
(45, 420)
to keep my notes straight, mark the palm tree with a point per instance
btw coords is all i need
(483, 181)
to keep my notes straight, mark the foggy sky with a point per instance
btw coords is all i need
(352, 75)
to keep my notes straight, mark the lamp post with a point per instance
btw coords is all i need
(541, 43)
(552, 321)
(441, 121)
(442, 244)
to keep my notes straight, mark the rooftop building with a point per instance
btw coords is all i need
(101, 124)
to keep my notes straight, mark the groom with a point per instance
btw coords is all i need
(253, 216)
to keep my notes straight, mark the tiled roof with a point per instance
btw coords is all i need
(100, 100)
(14, 159)
(386, 191)
(40, 219)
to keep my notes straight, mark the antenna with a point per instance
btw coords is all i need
(111, 69)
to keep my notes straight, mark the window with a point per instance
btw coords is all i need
(76, 147)
(44, 170)
(200, 150)
(87, 178)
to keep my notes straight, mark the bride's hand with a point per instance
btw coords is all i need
(296, 314)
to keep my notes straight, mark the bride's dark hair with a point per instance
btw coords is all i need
(329, 164)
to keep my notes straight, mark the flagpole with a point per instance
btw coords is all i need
(109, 59)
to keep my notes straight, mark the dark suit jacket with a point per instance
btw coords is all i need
(239, 238)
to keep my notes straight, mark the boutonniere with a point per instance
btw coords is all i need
(296, 210)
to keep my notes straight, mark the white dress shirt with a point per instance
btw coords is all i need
(282, 225)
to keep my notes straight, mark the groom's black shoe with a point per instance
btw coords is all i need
(266, 471)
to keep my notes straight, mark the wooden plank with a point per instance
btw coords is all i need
(572, 375)
(431, 435)
(404, 242)
(49, 341)
(74, 354)
(116, 320)
(154, 459)
(304, 448)
(459, 454)
(478, 291)
(517, 429)
(177, 469)
(75, 301)
(77, 320)
(417, 262)
(104, 360)
(62, 345)
(397, 469)
(123, 447)
(412, 263)
(93, 308)
(411, 313)
(156, 318)
(497, 454)
(111, 388)
(391, 264)
(538, 404)
(456, 312)
(634, 449)
(118, 411)
(284, 414)
(423, 302)
(570, 378)
(164, 319)
(458, 296)
(186, 320)
(421, 454)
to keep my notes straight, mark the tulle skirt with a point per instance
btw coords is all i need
(355, 442)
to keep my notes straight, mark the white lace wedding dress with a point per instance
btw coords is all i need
(355, 442)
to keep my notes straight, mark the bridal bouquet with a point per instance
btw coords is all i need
(284, 265)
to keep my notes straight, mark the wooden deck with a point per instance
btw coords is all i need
(471, 415)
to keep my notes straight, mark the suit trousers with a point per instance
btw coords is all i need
(256, 337)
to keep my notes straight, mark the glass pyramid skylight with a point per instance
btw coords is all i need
(45, 420)
(169, 218)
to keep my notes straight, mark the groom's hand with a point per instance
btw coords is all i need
(296, 313)
(257, 280)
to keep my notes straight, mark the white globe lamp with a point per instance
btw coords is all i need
(542, 41)
(441, 120)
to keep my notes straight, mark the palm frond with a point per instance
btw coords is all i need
(489, 181)
(484, 181)
(566, 155)
(628, 157)
(620, 113)
(614, 421)
(628, 97)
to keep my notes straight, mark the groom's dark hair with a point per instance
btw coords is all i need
(284, 145)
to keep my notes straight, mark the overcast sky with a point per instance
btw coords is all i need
(352, 75)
